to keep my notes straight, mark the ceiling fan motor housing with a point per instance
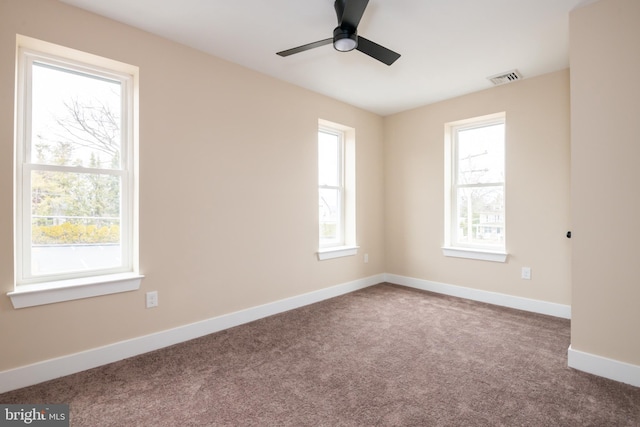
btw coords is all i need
(345, 39)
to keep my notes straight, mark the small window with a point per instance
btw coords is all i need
(336, 190)
(331, 187)
(75, 183)
(475, 171)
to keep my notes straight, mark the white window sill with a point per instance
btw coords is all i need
(72, 289)
(337, 252)
(479, 254)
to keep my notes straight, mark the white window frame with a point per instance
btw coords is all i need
(345, 244)
(32, 290)
(339, 240)
(451, 247)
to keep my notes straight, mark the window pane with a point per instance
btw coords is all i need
(480, 155)
(328, 159)
(76, 119)
(480, 216)
(329, 214)
(75, 222)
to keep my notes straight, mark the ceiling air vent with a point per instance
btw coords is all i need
(508, 77)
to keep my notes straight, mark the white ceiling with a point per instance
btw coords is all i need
(448, 47)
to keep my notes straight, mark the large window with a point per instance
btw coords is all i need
(476, 181)
(75, 164)
(336, 190)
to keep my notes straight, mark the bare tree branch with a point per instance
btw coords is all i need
(92, 125)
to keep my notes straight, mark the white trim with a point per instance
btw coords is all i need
(337, 252)
(346, 224)
(72, 289)
(65, 60)
(604, 367)
(526, 304)
(24, 376)
(339, 186)
(451, 165)
(479, 254)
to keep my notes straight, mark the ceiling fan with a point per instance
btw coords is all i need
(345, 36)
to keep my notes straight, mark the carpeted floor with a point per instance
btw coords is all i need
(382, 356)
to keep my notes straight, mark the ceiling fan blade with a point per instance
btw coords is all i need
(305, 47)
(350, 12)
(376, 51)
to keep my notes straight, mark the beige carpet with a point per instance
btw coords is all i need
(382, 356)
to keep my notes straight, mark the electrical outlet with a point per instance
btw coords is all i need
(526, 273)
(366, 258)
(152, 299)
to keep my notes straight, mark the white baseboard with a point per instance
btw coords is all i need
(604, 367)
(526, 304)
(66, 365)
(55, 368)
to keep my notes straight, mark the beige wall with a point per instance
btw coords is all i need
(228, 163)
(537, 190)
(228, 206)
(605, 146)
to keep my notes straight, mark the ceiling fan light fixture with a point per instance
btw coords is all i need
(344, 40)
(345, 35)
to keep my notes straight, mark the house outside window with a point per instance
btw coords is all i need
(475, 220)
(76, 190)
